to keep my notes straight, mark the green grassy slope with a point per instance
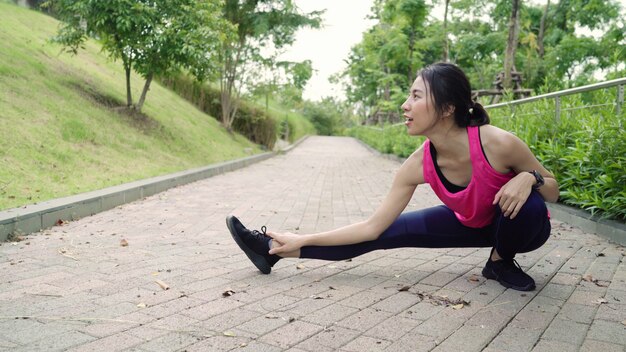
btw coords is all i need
(60, 131)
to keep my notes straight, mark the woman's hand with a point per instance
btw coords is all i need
(512, 196)
(286, 242)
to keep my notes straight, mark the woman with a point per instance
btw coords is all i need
(493, 188)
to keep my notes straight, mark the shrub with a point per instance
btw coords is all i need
(251, 121)
(585, 148)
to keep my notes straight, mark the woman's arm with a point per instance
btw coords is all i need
(515, 155)
(406, 180)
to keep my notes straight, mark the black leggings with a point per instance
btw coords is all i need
(438, 227)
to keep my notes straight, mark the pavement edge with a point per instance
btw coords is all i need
(36, 217)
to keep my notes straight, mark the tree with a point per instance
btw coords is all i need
(152, 37)
(511, 45)
(260, 24)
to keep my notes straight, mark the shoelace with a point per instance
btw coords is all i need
(514, 265)
(263, 232)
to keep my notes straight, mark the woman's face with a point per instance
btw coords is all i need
(418, 109)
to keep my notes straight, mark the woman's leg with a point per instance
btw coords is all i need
(435, 227)
(528, 231)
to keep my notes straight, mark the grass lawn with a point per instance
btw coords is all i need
(62, 131)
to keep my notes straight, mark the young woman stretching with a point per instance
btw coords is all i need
(493, 188)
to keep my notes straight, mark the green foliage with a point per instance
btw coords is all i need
(405, 38)
(253, 122)
(392, 139)
(61, 133)
(585, 149)
(152, 37)
(260, 24)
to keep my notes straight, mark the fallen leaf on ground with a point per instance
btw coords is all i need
(458, 306)
(601, 301)
(300, 266)
(162, 284)
(598, 283)
(142, 305)
(228, 293)
(404, 288)
(474, 278)
(124, 243)
(229, 334)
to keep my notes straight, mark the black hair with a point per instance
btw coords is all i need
(450, 88)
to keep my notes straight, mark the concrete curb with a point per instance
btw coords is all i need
(33, 218)
(613, 231)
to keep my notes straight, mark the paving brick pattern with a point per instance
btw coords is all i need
(75, 287)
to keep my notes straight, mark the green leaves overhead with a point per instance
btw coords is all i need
(578, 42)
(259, 24)
(151, 37)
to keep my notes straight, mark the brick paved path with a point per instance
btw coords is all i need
(76, 287)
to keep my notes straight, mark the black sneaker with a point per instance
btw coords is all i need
(509, 274)
(254, 243)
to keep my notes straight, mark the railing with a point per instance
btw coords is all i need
(620, 82)
(618, 103)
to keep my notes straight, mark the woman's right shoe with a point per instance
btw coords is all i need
(254, 244)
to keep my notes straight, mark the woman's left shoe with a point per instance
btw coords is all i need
(509, 274)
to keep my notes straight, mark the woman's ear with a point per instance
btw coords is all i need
(448, 110)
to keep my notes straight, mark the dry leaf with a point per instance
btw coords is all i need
(155, 273)
(588, 278)
(404, 288)
(124, 243)
(162, 284)
(229, 334)
(142, 305)
(601, 301)
(300, 266)
(458, 306)
(228, 293)
(474, 278)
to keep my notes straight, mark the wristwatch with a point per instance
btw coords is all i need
(539, 178)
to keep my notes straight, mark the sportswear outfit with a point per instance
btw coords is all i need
(468, 218)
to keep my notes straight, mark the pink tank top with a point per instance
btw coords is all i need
(473, 205)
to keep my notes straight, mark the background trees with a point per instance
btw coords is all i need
(261, 24)
(555, 45)
(152, 37)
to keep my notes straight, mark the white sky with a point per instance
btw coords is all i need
(328, 47)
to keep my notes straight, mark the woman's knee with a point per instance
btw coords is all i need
(534, 208)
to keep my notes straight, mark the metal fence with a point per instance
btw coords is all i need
(618, 102)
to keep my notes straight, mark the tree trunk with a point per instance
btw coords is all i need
(129, 96)
(542, 30)
(511, 46)
(227, 84)
(445, 33)
(146, 88)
